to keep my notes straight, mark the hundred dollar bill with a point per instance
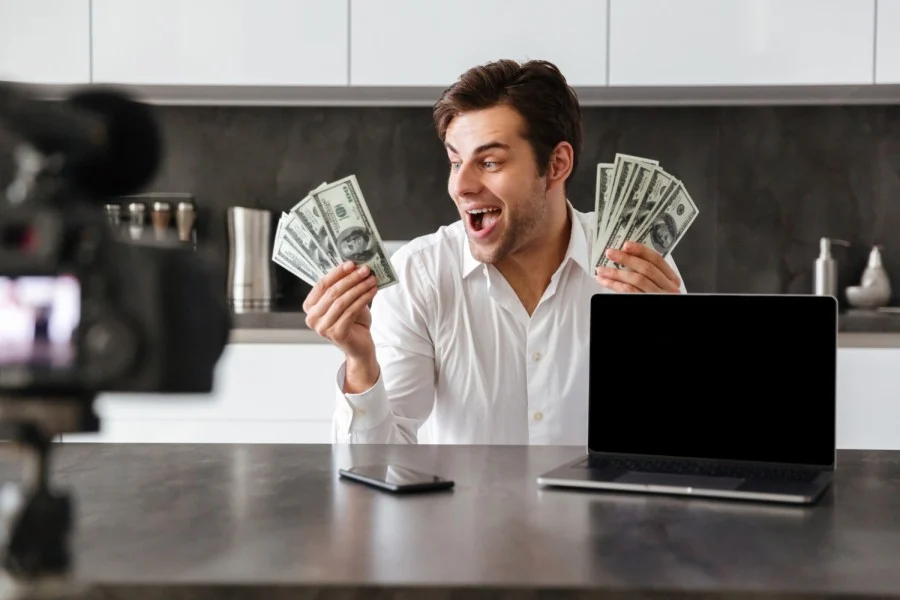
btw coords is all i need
(671, 222)
(624, 167)
(659, 187)
(290, 258)
(601, 197)
(307, 211)
(633, 198)
(305, 242)
(352, 229)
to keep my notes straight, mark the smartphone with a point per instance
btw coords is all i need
(395, 478)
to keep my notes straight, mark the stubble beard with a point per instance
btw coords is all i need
(520, 227)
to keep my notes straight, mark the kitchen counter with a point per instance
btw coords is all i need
(857, 329)
(274, 521)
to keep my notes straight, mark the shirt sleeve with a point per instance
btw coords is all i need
(393, 410)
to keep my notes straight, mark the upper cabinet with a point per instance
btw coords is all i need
(887, 48)
(220, 42)
(45, 41)
(743, 42)
(427, 43)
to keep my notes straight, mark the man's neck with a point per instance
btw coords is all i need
(529, 270)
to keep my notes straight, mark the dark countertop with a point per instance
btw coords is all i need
(869, 321)
(274, 521)
(853, 320)
(859, 329)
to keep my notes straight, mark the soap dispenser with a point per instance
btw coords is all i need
(825, 274)
(874, 290)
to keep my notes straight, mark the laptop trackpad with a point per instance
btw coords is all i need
(677, 480)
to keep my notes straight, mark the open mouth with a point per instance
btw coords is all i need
(483, 219)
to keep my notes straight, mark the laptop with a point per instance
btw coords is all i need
(712, 395)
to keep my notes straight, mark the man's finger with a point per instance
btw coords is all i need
(654, 257)
(332, 311)
(644, 267)
(327, 280)
(618, 286)
(346, 320)
(328, 295)
(636, 280)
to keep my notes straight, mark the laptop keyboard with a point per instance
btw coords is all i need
(696, 468)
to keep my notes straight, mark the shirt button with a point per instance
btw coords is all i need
(538, 416)
(360, 411)
(536, 356)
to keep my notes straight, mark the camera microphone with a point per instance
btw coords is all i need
(110, 143)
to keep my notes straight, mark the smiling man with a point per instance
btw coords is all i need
(486, 335)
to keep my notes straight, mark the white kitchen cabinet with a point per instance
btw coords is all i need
(264, 393)
(741, 42)
(45, 41)
(220, 42)
(418, 43)
(887, 38)
(868, 398)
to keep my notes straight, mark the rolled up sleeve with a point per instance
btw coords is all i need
(393, 410)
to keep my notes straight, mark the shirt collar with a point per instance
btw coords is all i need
(577, 250)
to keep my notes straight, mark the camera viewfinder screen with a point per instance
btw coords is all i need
(38, 319)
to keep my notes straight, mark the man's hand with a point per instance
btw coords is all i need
(645, 271)
(337, 309)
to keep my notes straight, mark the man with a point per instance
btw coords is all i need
(486, 335)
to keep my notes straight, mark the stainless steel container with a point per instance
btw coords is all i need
(251, 274)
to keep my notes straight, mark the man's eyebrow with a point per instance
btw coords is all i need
(482, 148)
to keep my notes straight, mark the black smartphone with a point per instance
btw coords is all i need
(395, 478)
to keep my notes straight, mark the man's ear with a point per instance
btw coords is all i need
(560, 166)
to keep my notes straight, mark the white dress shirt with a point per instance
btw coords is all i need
(460, 355)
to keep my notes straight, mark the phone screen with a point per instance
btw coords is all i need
(395, 475)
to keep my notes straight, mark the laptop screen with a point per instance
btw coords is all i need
(733, 377)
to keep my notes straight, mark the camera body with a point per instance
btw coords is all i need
(82, 309)
(88, 311)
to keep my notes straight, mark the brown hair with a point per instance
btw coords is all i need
(536, 89)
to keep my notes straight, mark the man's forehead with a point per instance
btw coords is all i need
(471, 130)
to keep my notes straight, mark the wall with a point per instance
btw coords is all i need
(769, 181)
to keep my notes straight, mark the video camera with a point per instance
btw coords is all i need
(82, 309)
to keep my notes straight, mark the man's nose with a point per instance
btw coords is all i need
(467, 181)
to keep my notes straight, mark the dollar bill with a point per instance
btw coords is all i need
(660, 184)
(307, 211)
(601, 196)
(637, 200)
(303, 239)
(634, 196)
(291, 258)
(352, 230)
(671, 222)
(624, 170)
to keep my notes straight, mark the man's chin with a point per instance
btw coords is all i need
(485, 253)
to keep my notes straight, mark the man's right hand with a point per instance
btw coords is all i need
(337, 309)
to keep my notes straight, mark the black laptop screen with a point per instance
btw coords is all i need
(728, 377)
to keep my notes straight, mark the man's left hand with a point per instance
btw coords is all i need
(645, 271)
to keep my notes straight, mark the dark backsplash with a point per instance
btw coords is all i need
(769, 181)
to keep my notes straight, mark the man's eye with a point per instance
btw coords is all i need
(454, 165)
(489, 164)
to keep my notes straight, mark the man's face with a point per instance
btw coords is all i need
(353, 244)
(663, 235)
(494, 182)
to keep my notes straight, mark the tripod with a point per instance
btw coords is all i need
(37, 541)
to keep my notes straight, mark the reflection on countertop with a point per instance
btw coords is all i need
(857, 329)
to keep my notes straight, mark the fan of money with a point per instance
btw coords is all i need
(328, 227)
(636, 200)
